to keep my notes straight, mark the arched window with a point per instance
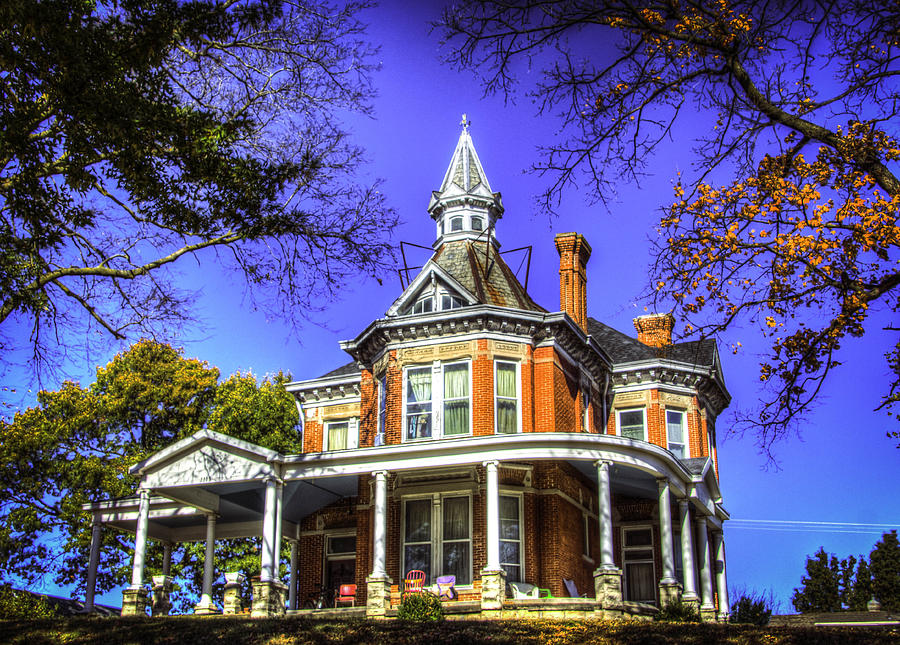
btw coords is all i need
(477, 224)
(456, 224)
(423, 305)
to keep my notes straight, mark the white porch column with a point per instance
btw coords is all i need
(687, 551)
(140, 540)
(380, 528)
(279, 508)
(206, 601)
(295, 563)
(604, 508)
(93, 563)
(492, 493)
(721, 580)
(665, 532)
(167, 558)
(706, 592)
(267, 566)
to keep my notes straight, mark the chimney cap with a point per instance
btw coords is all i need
(655, 330)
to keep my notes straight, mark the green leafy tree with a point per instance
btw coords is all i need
(78, 444)
(884, 562)
(861, 592)
(786, 214)
(819, 589)
(137, 135)
(847, 570)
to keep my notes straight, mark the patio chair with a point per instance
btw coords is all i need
(572, 589)
(445, 587)
(414, 582)
(346, 593)
(524, 590)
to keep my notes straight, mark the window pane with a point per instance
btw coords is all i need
(342, 544)
(418, 520)
(337, 436)
(418, 557)
(506, 380)
(513, 574)
(418, 426)
(477, 224)
(639, 582)
(456, 224)
(507, 417)
(456, 518)
(631, 424)
(675, 426)
(456, 562)
(509, 552)
(456, 381)
(509, 518)
(638, 537)
(456, 417)
(418, 385)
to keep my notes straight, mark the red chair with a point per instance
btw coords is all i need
(346, 593)
(414, 582)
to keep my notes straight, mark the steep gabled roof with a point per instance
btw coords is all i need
(344, 370)
(624, 349)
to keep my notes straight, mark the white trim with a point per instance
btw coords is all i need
(436, 540)
(626, 562)
(352, 433)
(437, 400)
(685, 435)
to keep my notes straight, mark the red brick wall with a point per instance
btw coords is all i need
(528, 392)
(312, 435)
(566, 392)
(482, 391)
(368, 409)
(394, 421)
(545, 419)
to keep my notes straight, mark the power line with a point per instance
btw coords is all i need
(810, 526)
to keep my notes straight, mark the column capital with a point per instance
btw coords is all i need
(603, 463)
(381, 473)
(491, 462)
(144, 493)
(273, 479)
(683, 503)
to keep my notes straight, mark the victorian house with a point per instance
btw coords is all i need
(475, 434)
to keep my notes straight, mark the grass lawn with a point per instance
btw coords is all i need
(297, 631)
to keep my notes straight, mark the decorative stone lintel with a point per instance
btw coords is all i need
(669, 592)
(378, 596)
(160, 604)
(268, 598)
(233, 603)
(493, 589)
(134, 601)
(608, 588)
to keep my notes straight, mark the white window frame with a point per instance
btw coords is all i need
(685, 453)
(497, 397)
(352, 433)
(381, 413)
(342, 555)
(437, 530)
(437, 399)
(622, 411)
(586, 407)
(521, 541)
(626, 561)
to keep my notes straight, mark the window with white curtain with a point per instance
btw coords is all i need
(506, 396)
(511, 537)
(437, 537)
(438, 401)
(341, 435)
(675, 433)
(637, 558)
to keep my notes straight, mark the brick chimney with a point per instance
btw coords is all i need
(574, 253)
(655, 330)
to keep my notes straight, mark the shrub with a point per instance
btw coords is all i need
(15, 603)
(420, 607)
(678, 612)
(752, 608)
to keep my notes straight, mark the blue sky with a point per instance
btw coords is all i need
(843, 469)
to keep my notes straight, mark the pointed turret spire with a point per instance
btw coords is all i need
(465, 206)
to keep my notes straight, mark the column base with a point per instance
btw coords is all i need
(608, 588)
(206, 609)
(708, 614)
(378, 596)
(268, 598)
(134, 601)
(160, 604)
(233, 603)
(493, 589)
(669, 592)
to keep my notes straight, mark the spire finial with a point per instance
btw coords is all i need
(465, 123)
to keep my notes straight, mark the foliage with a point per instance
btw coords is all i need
(678, 612)
(420, 607)
(789, 216)
(752, 608)
(885, 569)
(78, 444)
(820, 587)
(861, 591)
(136, 135)
(15, 603)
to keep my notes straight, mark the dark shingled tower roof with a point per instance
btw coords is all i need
(624, 349)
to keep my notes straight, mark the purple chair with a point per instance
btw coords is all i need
(445, 587)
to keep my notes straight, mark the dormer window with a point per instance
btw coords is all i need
(456, 224)
(449, 301)
(423, 305)
(477, 224)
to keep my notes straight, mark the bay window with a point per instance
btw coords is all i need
(437, 401)
(506, 396)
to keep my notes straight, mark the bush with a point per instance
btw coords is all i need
(15, 603)
(751, 608)
(420, 607)
(678, 612)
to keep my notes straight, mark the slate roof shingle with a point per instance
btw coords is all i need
(624, 349)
